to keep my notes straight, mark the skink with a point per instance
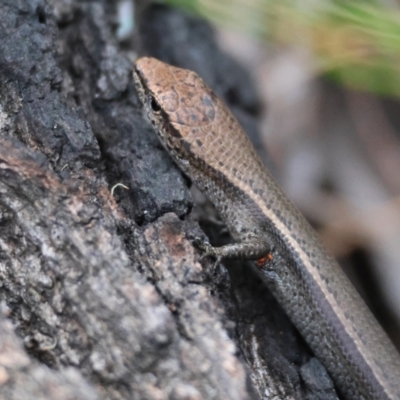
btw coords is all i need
(209, 145)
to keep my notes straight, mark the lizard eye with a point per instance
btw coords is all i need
(154, 105)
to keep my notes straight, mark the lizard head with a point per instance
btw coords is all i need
(182, 108)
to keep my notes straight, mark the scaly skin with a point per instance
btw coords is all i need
(209, 145)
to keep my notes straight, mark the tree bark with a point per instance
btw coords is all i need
(105, 292)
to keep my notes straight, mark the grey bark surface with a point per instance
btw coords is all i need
(103, 296)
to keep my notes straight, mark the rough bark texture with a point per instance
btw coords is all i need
(105, 293)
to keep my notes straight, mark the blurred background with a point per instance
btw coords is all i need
(327, 73)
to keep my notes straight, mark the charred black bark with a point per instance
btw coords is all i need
(105, 292)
